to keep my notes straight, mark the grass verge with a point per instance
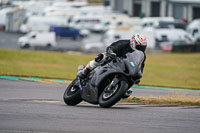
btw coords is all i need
(169, 70)
(180, 100)
(41, 63)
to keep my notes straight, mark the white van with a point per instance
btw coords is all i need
(174, 35)
(194, 29)
(126, 33)
(42, 23)
(153, 22)
(44, 39)
(85, 22)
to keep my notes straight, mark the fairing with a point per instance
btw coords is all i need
(129, 66)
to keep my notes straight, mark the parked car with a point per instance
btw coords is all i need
(44, 39)
(67, 32)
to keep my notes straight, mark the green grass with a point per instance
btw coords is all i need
(40, 64)
(182, 100)
(173, 70)
(170, 70)
(95, 1)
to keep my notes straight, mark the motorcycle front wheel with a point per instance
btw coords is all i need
(111, 96)
(72, 94)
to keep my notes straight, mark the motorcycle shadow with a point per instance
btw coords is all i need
(96, 106)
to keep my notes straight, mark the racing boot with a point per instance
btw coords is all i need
(83, 71)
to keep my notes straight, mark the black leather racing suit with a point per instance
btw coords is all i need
(121, 47)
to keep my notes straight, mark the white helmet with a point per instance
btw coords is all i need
(138, 42)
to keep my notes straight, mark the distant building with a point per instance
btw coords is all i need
(179, 9)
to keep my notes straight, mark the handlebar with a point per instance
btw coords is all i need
(111, 56)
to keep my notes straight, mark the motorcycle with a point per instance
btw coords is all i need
(107, 83)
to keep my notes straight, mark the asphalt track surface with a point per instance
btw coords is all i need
(38, 108)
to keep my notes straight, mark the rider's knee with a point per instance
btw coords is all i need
(100, 58)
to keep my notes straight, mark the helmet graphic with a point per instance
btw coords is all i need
(138, 42)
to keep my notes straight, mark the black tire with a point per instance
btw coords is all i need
(72, 95)
(26, 46)
(122, 86)
(74, 37)
(48, 45)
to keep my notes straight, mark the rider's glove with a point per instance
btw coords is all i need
(111, 54)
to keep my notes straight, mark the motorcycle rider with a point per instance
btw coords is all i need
(116, 49)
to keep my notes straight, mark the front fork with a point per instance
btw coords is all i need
(113, 83)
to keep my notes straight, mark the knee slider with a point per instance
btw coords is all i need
(99, 57)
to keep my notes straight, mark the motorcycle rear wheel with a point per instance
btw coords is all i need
(107, 100)
(72, 94)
